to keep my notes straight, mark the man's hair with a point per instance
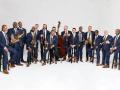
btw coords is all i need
(3, 26)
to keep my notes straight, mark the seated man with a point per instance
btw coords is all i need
(53, 41)
(5, 48)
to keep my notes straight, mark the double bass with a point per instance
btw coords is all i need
(60, 42)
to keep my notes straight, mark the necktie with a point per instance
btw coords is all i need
(51, 40)
(6, 38)
(80, 37)
(115, 40)
(45, 34)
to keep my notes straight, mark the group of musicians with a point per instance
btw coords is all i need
(54, 47)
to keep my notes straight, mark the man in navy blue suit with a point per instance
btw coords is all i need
(89, 37)
(72, 55)
(66, 37)
(31, 40)
(37, 41)
(12, 33)
(116, 49)
(97, 46)
(4, 43)
(53, 42)
(80, 43)
(22, 40)
(5, 48)
(0, 58)
(43, 36)
(107, 44)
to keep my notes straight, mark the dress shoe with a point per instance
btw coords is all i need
(97, 64)
(81, 60)
(101, 65)
(5, 72)
(106, 66)
(19, 64)
(23, 61)
(27, 65)
(12, 66)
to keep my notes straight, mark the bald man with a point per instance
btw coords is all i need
(22, 40)
(66, 36)
(106, 45)
(31, 46)
(116, 49)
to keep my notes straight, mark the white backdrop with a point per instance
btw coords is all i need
(101, 14)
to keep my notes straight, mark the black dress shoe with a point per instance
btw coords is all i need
(81, 60)
(19, 64)
(27, 65)
(23, 61)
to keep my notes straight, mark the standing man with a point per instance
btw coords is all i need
(31, 46)
(116, 49)
(98, 46)
(90, 36)
(80, 43)
(72, 50)
(4, 44)
(37, 41)
(107, 44)
(22, 40)
(43, 36)
(66, 36)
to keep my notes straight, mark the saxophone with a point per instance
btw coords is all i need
(16, 38)
(33, 42)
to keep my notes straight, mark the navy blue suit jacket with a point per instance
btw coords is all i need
(63, 32)
(41, 33)
(66, 42)
(83, 38)
(29, 38)
(12, 31)
(2, 41)
(23, 39)
(55, 41)
(106, 46)
(93, 36)
(73, 39)
(117, 44)
(98, 41)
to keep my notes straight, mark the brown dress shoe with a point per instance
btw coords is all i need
(106, 66)
(5, 72)
(12, 66)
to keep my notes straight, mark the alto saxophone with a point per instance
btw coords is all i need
(33, 42)
(89, 41)
(16, 38)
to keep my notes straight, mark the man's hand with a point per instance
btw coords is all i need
(107, 42)
(5, 49)
(29, 49)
